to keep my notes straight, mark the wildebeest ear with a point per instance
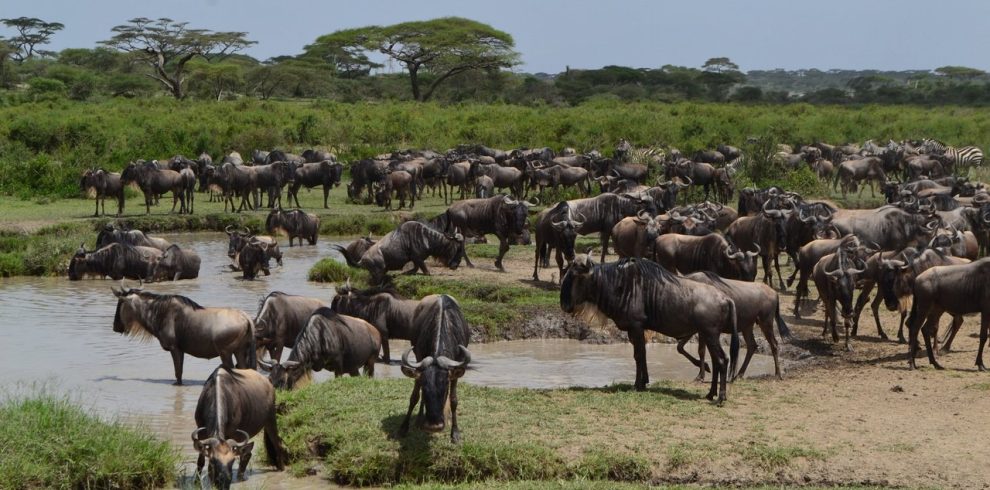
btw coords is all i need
(457, 372)
(244, 449)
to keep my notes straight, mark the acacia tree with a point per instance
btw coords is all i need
(441, 48)
(31, 33)
(167, 46)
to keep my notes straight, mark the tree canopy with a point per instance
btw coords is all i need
(438, 48)
(167, 46)
(31, 33)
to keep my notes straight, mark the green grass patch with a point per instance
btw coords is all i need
(49, 442)
(332, 270)
(772, 456)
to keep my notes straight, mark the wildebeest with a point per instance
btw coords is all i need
(238, 180)
(272, 178)
(177, 263)
(640, 295)
(238, 239)
(602, 212)
(331, 341)
(807, 257)
(103, 184)
(138, 238)
(402, 184)
(850, 172)
(235, 402)
(364, 174)
(889, 227)
(441, 341)
(295, 223)
(309, 175)
(953, 289)
(712, 252)
(635, 235)
(182, 327)
(556, 229)
(279, 320)
(835, 278)
(316, 156)
(154, 181)
(353, 251)
(500, 215)
(755, 304)
(414, 242)
(116, 261)
(253, 258)
(896, 280)
(766, 234)
(390, 313)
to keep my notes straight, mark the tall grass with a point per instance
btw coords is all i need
(45, 145)
(47, 442)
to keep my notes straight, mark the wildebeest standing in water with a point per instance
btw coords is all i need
(640, 295)
(353, 251)
(235, 402)
(103, 184)
(116, 261)
(390, 313)
(295, 223)
(338, 343)
(412, 242)
(279, 320)
(238, 239)
(138, 238)
(253, 258)
(442, 357)
(177, 263)
(184, 327)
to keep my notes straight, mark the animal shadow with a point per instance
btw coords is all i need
(169, 381)
(678, 393)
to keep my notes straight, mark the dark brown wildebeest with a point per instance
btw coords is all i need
(484, 187)
(326, 173)
(273, 177)
(888, 227)
(442, 357)
(764, 233)
(365, 174)
(138, 238)
(640, 295)
(154, 181)
(556, 229)
(175, 264)
(458, 175)
(953, 289)
(755, 304)
(238, 180)
(252, 259)
(601, 213)
(896, 282)
(238, 239)
(808, 256)
(331, 341)
(835, 278)
(184, 327)
(500, 215)
(279, 320)
(635, 235)
(850, 173)
(353, 251)
(317, 156)
(414, 242)
(390, 313)
(102, 184)
(403, 184)
(116, 261)
(295, 223)
(237, 402)
(712, 252)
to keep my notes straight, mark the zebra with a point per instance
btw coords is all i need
(963, 158)
(933, 146)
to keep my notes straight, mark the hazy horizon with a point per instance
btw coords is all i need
(554, 34)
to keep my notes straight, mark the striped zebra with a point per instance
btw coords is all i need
(963, 158)
(933, 146)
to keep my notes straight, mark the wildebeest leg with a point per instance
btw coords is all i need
(702, 367)
(638, 340)
(227, 360)
(767, 272)
(603, 236)
(455, 433)
(536, 262)
(950, 334)
(503, 247)
(751, 346)
(900, 328)
(369, 366)
(984, 331)
(413, 400)
(861, 301)
(200, 461)
(876, 318)
(780, 277)
(177, 356)
(175, 200)
(147, 203)
(559, 256)
(930, 327)
(719, 366)
(96, 212)
(243, 463)
(700, 363)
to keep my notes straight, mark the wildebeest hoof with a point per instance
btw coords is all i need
(981, 368)
(177, 383)
(699, 378)
(938, 366)
(455, 437)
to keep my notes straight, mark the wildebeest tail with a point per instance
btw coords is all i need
(412, 187)
(733, 342)
(351, 261)
(252, 348)
(785, 333)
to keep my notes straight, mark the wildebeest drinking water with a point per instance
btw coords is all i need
(412, 242)
(640, 295)
(237, 402)
(184, 327)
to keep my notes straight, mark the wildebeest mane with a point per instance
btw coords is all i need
(639, 281)
(313, 342)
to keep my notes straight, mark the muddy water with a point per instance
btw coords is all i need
(58, 334)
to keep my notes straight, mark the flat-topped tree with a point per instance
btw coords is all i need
(31, 33)
(167, 46)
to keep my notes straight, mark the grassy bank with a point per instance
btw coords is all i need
(51, 443)
(347, 428)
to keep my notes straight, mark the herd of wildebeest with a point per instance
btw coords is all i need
(683, 270)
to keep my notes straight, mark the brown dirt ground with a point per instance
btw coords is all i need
(847, 418)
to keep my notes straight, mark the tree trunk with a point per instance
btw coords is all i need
(414, 80)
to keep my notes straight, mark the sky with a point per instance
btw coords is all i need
(554, 34)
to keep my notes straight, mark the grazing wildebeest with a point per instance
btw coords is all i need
(556, 228)
(755, 303)
(640, 295)
(116, 261)
(238, 239)
(403, 184)
(253, 258)
(765, 233)
(177, 263)
(353, 251)
(442, 336)
(339, 343)
(635, 235)
(101, 183)
(414, 242)
(390, 313)
(953, 289)
(500, 215)
(279, 320)
(235, 402)
(295, 223)
(154, 181)
(835, 278)
(137, 238)
(602, 212)
(184, 327)
(326, 173)
(712, 252)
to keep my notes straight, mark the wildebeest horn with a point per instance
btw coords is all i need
(641, 214)
(447, 363)
(267, 364)
(422, 364)
(531, 204)
(508, 200)
(688, 182)
(195, 434)
(738, 255)
(771, 212)
(227, 229)
(238, 445)
(757, 252)
(676, 216)
(801, 216)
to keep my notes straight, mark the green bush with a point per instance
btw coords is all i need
(331, 270)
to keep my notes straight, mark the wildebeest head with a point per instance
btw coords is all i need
(253, 258)
(236, 241)
(221, 453)
(579, 293)
(567, 228)
(843, 279)
(285, 375)
(895, 281)
(512, 215)
(77, 265)
(744, 262)
(454, 252)
(126, 319)
(779, 219)
(435, 375)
